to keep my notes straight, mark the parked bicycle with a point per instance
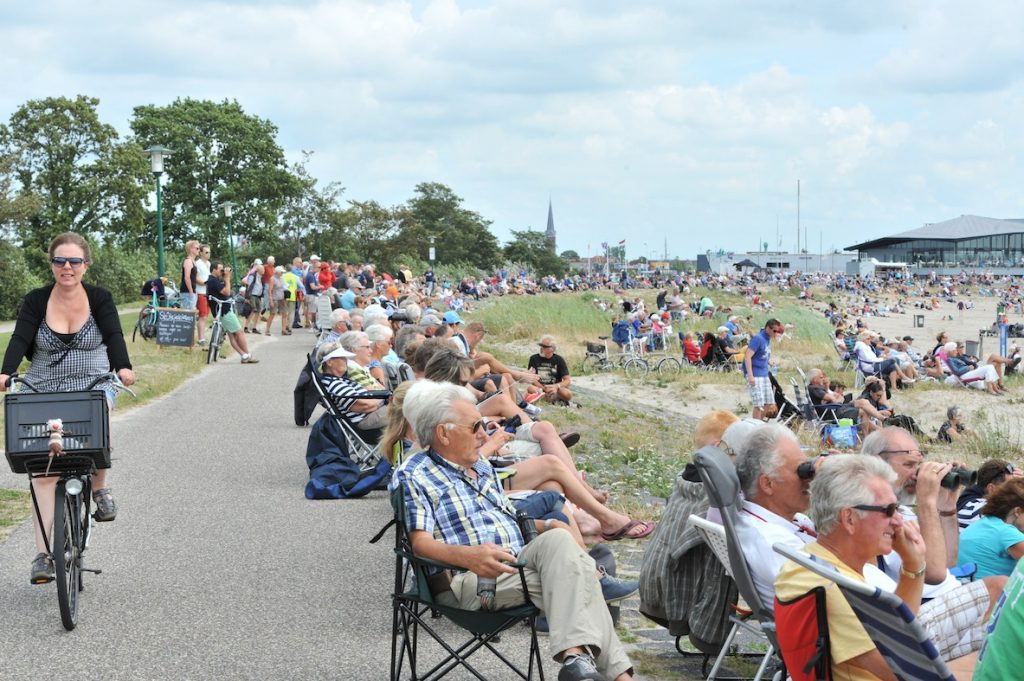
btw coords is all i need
(162, 294)
(66, 436)
(629, 360)
(216, 332)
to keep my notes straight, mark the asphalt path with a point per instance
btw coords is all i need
(217, 566)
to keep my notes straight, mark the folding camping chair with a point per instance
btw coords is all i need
(413, 601)
(723, 488)
(888, 621)
(786, 410)
(362, 445)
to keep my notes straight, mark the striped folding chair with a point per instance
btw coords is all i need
(900, 638)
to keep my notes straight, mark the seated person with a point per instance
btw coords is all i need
(996, 541)
(953, 428)
(871, 364)
(363, 413)
(825, 399)
(724, 352)
(840, 342)
(873, 405)
(991, 474)
(472, 526)
(690, 348)
(552, 371)
(961, 371)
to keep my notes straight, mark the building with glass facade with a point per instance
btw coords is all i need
(966, 242)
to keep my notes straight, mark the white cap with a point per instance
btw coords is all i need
(314, 257)
(257, 261)
(338, 352)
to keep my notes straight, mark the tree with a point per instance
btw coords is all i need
(219, 153)
(569, 255)
(461, 235)
(310, 211)
(374, 233)
(15, 207)
(83, 178)
(533, 249)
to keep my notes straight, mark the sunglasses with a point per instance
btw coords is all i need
(473, 427)
(547, 347)
(60, 261)
(889, 509)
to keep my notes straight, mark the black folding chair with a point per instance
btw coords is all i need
(413, 602)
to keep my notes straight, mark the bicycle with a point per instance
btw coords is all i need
(597, 359)
(63, 435)
(216, 333)
(150, 314)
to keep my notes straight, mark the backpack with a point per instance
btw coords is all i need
(905, 422)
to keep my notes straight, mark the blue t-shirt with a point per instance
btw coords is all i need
(348, 300)
(761, 346)
(985, 543)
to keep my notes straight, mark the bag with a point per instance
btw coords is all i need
(905, 422)
(287, 294)
(840, 437)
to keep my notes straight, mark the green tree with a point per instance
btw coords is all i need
(461, 235)
(533, 249)
(310, 212)
(219, 153)
(383, 236)
(570, 255)
(16, 279)
(15, 207)
(83, 178)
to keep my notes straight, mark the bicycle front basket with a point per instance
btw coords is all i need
(595, 348)
(86, 427)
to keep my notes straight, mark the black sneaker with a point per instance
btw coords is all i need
(106, 508)
(42, 569)
(579, 668)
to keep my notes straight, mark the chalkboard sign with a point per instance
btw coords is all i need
(175, 326)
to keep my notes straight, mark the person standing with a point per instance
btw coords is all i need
(275, 305)
(188, 276)
(311, 283)
(254, 293)
(292, 284)
(202, 304)
(219, 286)
(755, 368)
(71, 332)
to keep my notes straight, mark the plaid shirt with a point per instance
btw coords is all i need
(440, 498)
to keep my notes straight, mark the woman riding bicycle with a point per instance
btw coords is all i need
(71, 332)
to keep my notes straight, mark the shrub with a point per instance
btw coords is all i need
(16, 279)
(123, 273)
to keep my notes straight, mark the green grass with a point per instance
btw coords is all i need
(15, 506)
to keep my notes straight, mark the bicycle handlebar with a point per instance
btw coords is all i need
(107, 376)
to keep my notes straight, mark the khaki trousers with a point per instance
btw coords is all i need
(561, 580)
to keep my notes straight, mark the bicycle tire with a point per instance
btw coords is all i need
(669, 366)
(591, 363)
(215, 338)
(635, 368)
(67, 538)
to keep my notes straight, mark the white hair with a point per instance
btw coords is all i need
(351, 340)
(429, 403)
(759, 456)
(841, 482)
(379, 332)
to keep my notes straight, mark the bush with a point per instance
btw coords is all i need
(16, 279)
(123, 273)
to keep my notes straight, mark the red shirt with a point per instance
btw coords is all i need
(326, 279)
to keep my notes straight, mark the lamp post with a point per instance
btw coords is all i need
(229, 208)
(156, 162)
(432, 252)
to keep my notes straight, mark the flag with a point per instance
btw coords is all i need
(604, 245)
(622, 243)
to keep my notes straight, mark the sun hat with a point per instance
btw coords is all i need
(337, 352)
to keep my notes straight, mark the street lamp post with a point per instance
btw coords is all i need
(432, 252)
(229, 208)
(156, 162)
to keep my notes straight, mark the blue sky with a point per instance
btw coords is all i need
(686, 121)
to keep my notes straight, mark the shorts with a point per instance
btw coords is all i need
(761, 392)
(256, 302)
(310, 303)
(277, 306)
(203, 305)
(188, 301)
(229, 320)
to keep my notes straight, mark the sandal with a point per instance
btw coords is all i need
(624, 531)
(106, 509)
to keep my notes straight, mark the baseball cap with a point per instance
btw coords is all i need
(337, 352)
(314, 257)
(257, 261)
(430, 320)
(279, 269)
(452, 317)
(354, 283)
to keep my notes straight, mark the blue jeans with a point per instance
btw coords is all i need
(189, 301)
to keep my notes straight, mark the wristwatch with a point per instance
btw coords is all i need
(912, 575)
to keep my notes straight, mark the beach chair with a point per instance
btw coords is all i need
(888, 621)
(723, 488)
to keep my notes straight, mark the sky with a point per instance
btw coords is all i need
(678, 126)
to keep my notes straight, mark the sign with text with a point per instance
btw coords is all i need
(175, 326)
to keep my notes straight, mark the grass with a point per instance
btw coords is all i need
(15, 507)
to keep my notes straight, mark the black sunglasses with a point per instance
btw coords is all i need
(473, 427)
(889, 509)
(60, 261)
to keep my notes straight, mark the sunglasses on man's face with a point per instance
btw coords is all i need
(59, 261)
(889, 510)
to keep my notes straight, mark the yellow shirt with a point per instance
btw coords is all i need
(847, 638)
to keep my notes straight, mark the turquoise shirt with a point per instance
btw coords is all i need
(1000, 655)
(985, 543)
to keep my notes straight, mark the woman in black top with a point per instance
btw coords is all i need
(71, 333)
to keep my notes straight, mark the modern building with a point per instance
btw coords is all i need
(969, 242)
(727, 262)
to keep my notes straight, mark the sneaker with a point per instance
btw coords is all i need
(615, 589)
(106, 509)
(541, 624)
(532, 410)
(250, 360)
(42, 569)
(202, 342)
(579, 668)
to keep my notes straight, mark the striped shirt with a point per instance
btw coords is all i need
(440, 498)
(344, 392)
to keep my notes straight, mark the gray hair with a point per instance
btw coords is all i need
(548, 339)
(813, 374)
(429, 403)
(374, 316)
(406, 335)
(841, 482)
(338, 316)
(759, 456)
(877, 442)
(351, 340)
(378, 333)
(412, 310)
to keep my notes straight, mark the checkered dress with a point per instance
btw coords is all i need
(67, 367)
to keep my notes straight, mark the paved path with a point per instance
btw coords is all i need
(217, 566)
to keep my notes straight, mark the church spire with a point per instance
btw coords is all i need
(550, 232)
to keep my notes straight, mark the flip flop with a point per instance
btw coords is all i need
(623, 532)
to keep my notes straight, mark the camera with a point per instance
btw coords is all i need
(959, 476)
(511, 424)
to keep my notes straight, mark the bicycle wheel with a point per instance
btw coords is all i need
(67, 541)
(216, 336)
(669, 366)
(591, 363)
(635, 368)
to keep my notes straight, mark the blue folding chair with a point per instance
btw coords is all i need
(888, 621)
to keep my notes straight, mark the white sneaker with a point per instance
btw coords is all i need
(532, 410)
